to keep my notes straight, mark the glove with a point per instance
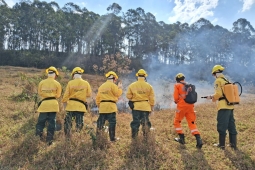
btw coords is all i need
(119, 85)
(152, 108)
(209, 97)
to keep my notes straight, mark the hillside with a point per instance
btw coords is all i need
(20, 149)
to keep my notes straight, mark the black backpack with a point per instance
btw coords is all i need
(191, 94)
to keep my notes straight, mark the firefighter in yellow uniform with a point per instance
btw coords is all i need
(141, 95)
(107, 96)
(184, 110)
(75, 100)
(49, 90)
(225, 116)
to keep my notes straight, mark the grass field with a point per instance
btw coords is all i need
(20, 149)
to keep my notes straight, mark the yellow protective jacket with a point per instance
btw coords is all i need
(218, 89)
(78, 89)
(108, 91)
(143, 92)
(49, 88)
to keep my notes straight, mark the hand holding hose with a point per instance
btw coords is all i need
(207, 97)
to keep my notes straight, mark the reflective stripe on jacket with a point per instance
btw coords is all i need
(78, 89)
(180, 94)
(143, 92)
(108, 91)
(49, 88)
(218, 88)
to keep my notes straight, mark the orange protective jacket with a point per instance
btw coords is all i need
(180, 94)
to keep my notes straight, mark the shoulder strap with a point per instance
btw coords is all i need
(225, 79)
(223, 97)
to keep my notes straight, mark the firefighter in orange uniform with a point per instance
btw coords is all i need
(184, 110)
(107, 96)
(49, 90)
(225, 116)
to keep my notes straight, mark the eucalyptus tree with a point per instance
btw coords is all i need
(43, 23)
(201, 36)
(220, 42)
(163, 40)
(243, 42)
(115, 8)
(22, 30)
(180, 45)
(71, 21)
(55, 25)
(113, 35)
(149, 36)
(173, 34)
(5, 13)
(82, 27)
(91, 36)
(112, 38)
(133, 20)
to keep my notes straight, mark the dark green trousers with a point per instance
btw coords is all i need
(110, 117)
(226, 121)
(140, 118)
(44, 117)
(78, 116)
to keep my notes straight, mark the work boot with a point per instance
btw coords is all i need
(134, 133)
(112, 133)
(221, 143)
(146, 131)
(67, 132)
(49, 138)
(232, 141)
(40, 134)
(181, 139)
(199, 141)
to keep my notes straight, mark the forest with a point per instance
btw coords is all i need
(39, 34)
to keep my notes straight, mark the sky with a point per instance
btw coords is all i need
(218, 12)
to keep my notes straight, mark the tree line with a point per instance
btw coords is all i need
(39, 33)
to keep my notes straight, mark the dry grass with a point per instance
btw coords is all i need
(20, 149)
